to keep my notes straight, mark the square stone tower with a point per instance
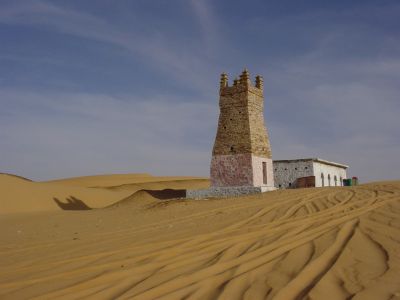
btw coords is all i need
(242, 153)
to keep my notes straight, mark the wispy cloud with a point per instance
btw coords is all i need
(331, 86)
(341, 110)
(208, 24)
(186, 63)
(99, 133)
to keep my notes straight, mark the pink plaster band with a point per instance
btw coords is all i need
(231, 170)
(240, 170)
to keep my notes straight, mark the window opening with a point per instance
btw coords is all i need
(264, 168)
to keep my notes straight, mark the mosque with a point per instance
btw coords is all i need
(242, 159)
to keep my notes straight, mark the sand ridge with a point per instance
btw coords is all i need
(117, 180)
(321, 243)
(19, 194)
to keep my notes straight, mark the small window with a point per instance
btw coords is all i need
(306, 168)
(290, 184)
(285, 169)
(230, 119)
(276, 169)
(295, 169)
(231, 148)
(264, 168)
(280, 185)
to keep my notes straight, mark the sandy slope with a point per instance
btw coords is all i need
(18, 194)
(116, 180)
(326, 243)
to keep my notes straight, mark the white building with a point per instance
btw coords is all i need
(308, 172)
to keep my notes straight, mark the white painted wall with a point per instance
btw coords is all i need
(286, 173)
(258, 178)
(328, 170)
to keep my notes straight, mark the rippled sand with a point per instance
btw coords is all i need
(323, 243)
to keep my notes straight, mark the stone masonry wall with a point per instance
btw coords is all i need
(258, 133)
(230, 191)
(233, 133)
(286, 173)
(241, 126)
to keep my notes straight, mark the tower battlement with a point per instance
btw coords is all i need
(241, 84)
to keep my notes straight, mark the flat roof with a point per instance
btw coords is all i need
(314, 159)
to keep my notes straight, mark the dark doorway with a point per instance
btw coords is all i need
(264, 166)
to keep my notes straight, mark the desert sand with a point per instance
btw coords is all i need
(118, 236)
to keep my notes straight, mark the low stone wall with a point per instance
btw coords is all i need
(222, 192)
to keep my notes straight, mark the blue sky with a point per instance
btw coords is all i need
(94, 87)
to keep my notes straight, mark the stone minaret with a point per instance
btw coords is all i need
(241, 153)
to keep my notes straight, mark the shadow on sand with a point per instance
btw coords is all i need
(71, 204)
(167, 194)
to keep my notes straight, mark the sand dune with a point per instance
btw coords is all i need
(19, 194)
(324, 243)
(116, 180)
